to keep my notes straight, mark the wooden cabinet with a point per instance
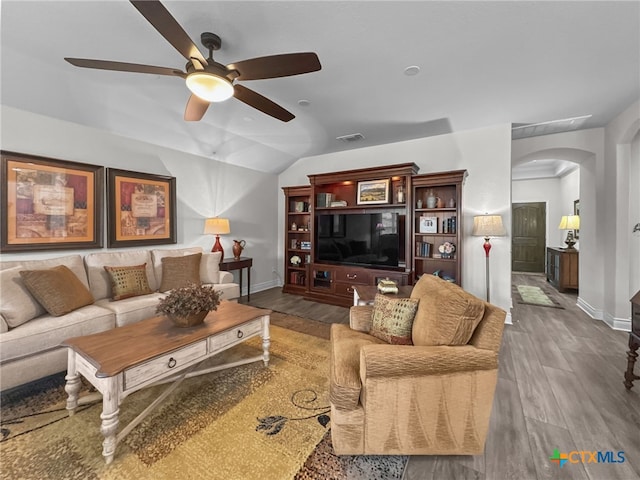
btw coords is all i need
(297, 237)
(562, 268)
(334, 283)
(437, 224)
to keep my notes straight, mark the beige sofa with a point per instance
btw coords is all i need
(430, 398)
(30, 338)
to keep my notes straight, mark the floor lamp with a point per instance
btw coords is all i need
(217, 226)
(488, 226)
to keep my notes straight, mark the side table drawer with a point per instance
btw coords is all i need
(164, 364)
(235, 335)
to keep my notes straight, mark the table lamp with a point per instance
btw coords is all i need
(217, 226)
(570, 223)
(488, 226)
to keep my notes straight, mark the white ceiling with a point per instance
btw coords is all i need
(482, 63)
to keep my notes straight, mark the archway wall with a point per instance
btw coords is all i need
(585, 147)
(609, 161)
(621, 182)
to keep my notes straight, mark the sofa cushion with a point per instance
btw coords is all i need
(17, 305)
(74, 262)
(393, 319)
(447, 315)
(48, 332)
(210, 268)
(57, 289)
(178, 272)
(99, 281)
(344, 390)
(228, 291)
(134, 309)
(128, 281)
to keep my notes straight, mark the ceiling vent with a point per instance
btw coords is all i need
(526, 130)
(352, 137)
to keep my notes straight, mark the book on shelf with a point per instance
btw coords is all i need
(424, 249)
(297, 278)
(449, 225)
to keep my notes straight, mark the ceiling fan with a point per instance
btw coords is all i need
(208, 80)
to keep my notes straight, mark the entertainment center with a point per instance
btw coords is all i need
(356, 227)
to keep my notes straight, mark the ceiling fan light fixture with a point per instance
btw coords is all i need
(209, 86)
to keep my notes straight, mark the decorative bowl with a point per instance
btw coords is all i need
(188, 321)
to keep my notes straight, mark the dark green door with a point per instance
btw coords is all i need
(528, 237)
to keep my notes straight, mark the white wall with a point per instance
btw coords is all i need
(569, 193)
(609, 179)
(485, 153)
(618, 187)
(204, 187)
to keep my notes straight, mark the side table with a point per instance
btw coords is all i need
(366, 294)
(231, 263)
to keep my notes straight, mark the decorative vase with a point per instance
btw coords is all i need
(190, 320)
(238, 246)
(419, 203)
(431, 200)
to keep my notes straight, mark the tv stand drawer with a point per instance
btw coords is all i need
(353, 276)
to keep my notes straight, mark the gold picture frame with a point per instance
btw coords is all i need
(141, 209)
(49, 204)
(373, 192)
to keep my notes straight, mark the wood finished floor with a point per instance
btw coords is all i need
(559, 386)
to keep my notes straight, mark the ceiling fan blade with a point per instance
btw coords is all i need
(158, 16)
(124, 67)
(196, 108)
(275, 66)
(255, 100)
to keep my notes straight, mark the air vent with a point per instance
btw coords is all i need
(352, 137)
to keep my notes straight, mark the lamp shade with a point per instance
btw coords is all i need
(569, 222)
(217, 226)
(488, 226)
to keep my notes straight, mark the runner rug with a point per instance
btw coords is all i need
(532, 295)
(248, 422)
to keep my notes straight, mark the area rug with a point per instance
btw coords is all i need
(248, 422)
(532, 295)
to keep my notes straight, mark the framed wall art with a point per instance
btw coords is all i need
(49, 204)
(141, 209)
(372, 192)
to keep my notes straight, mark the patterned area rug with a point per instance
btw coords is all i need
(532, 295)
(248, 422)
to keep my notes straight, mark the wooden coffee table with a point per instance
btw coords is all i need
(126, 359)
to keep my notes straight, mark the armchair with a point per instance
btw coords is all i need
(430, 398)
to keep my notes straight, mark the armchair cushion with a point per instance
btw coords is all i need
(386, 361)
(345, 386)
(447, 315)
(393, 319)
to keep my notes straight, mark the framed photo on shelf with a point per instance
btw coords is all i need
(428, 225)
(141, 209)
(373, 192)
(49, 204)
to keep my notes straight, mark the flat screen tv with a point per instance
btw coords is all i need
(364, 239)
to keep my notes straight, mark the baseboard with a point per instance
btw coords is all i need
(258, 287)
(589, 310)
(508, 319)
(623, 324)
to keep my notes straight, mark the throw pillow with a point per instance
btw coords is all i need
(129, 281)
(393, 319)
(179, 272)
(17, 305)
(210, 267)
(57, 289)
